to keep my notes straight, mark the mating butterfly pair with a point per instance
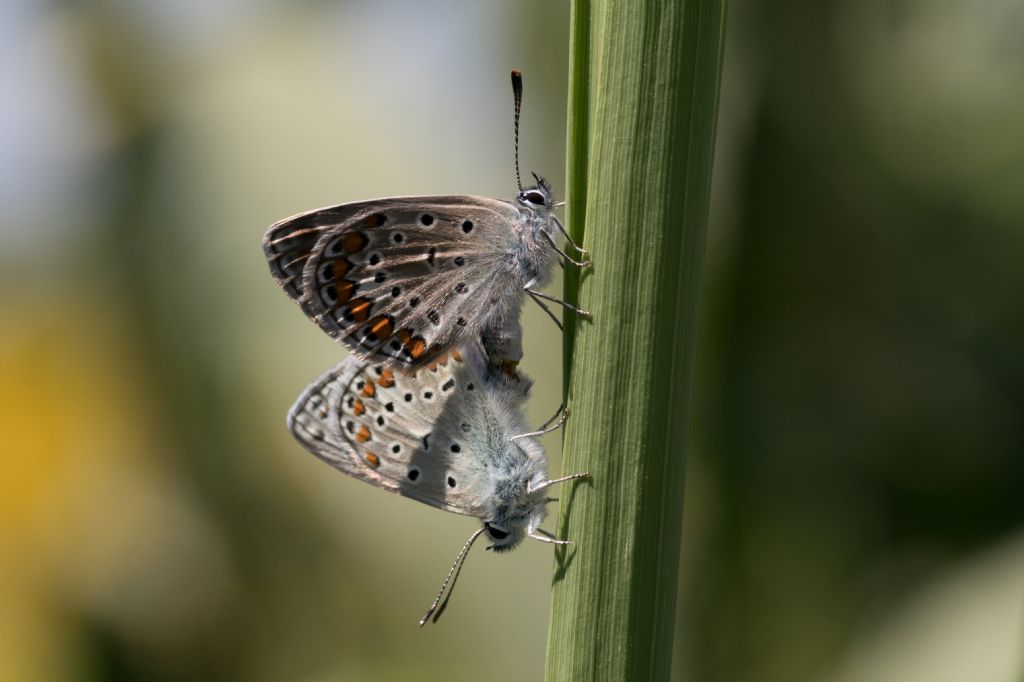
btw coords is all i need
(426, 292)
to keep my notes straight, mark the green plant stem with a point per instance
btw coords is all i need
(643, 105)
(578, 144)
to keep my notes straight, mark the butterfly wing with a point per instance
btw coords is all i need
(400, 280)
(432, 436)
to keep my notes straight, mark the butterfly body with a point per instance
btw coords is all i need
(441, 436)
(403, 280)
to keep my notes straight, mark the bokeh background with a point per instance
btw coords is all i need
(855, 500)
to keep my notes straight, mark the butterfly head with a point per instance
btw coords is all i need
(520, 509)
(539, 197)
(506, 533)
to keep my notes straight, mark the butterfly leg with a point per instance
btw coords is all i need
(563, 254)
(561, 416)
(547, 537)
(579, 249)
(546, 309)
(535, 294)
(563, 479)
(562, 412)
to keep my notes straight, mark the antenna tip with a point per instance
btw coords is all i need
(517, 79)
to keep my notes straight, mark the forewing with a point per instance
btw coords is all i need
(398, 280)
(288, 243)
(394, 429)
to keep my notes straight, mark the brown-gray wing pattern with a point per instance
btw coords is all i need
(399, 280)
(382, 426)
(288, 243)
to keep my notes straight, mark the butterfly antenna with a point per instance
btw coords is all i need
(453, 575)
(517, 93)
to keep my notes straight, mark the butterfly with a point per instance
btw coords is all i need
(450, 435)
(403, 280)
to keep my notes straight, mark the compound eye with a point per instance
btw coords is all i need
(495, 533)
(534, 197)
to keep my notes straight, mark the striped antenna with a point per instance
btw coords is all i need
(517, 93)
(435, 611)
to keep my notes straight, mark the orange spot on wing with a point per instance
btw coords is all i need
(387, 379)
(339, 268)
(358, 408)
(376, 220)
(345, 290)
(372, 459)
(360, 309)
(363, 434)
(417, 348)
(441, 361)
(382, 326)
(354, 242)
(456, 356)
(369, 390)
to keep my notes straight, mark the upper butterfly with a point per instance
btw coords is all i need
(403, 280)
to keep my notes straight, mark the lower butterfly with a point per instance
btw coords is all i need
(451, 435)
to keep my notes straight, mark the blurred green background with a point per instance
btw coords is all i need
(855, 500)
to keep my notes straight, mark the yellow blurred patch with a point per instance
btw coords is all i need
(90, 520)
(64, 410)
